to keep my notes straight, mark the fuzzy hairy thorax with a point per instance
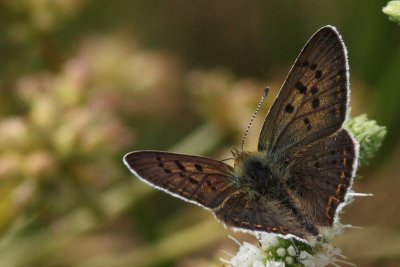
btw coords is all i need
(257, 175)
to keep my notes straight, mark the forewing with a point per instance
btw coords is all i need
(262, 215)
(321, 175)
(313, 100)
(199, 180)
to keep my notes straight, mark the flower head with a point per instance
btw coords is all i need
(369, 135)
(392, 9)
(282, 252)
(247, 256)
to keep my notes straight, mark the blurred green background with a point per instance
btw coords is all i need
(84, 82)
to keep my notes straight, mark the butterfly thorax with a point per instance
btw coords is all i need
(255, 174)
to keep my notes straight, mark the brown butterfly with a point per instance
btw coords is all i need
(295, 183)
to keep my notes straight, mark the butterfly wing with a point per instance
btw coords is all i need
(313, 100)
(302, 132)
(321, 174)
(262, 215)
(198, 180)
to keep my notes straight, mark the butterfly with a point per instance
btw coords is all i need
(296, 182)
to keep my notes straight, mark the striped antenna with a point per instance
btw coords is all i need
(264, 96)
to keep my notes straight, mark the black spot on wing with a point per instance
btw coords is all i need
(198, 167)
(313, 66)
(314, 90)
(301, 87)
(315, 103)
(318, 74)
(210, 185)
(179, 165)
(289, 108)
(193, 181)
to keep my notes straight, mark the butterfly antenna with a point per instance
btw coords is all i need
(254, 115)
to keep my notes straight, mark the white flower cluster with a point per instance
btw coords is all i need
(248, 255)
(274, 251)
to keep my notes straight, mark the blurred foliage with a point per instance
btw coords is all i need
(83, 82)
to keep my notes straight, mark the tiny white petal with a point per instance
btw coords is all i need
(247, 256)
(275, 264)
(360, 194)
(268, 240)
(234, 240)
(306, 259)
(289, 260)
(291, 251)
(281, 252)
(345, 226)
(305, 255)
(258, 263)
(224, 261)
(329, 255)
